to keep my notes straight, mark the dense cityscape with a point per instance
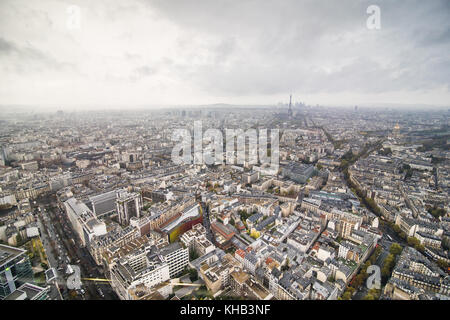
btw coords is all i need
(93, 206)
(225, 159)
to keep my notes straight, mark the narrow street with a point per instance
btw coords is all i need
(207, 223)
(63, 249)
(55, 292)
(81, 257)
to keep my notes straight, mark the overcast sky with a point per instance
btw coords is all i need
(135, 52)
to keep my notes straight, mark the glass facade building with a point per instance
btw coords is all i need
(15, 269)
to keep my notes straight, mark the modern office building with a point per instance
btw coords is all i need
(29, 291)
(176, 257)
(15, 269)
(128, 204)
(183, 222)
(299, 173)
(104, 204)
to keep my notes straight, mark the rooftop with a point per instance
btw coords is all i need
(8, 253)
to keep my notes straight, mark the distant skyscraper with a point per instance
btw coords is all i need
(290, 107)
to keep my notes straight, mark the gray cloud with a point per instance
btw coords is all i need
(27, 58)
(6, 46)
(227, 49)
(287, 42)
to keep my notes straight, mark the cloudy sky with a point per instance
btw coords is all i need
(153, 52)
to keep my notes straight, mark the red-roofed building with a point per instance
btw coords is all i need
(269, 260)
(240, 255)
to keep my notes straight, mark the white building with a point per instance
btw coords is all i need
(195, 239)
(84, 221)
(144, 267)
(176, 257)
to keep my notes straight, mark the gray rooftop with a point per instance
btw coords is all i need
(8, 253)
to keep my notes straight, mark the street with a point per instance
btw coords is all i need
(63, 248)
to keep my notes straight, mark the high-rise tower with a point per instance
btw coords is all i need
(290, 107)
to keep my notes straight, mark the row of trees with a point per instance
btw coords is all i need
(373, 294)
(244, 215)
(368, 202)
(437, 212)
(415, 243)
(362, 276)
(412, 241)
(349, 158)
(389, 263)
(336, 143)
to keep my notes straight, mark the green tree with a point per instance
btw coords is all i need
(193, 274)
(396, 228)
(375, 293)
(19, 239)
(412, 241)
(358, 281)
(420, 248)
(346, 296)
(388, 265)
(395, 249)
(437, 212)
(443, 264)
(385, 271)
